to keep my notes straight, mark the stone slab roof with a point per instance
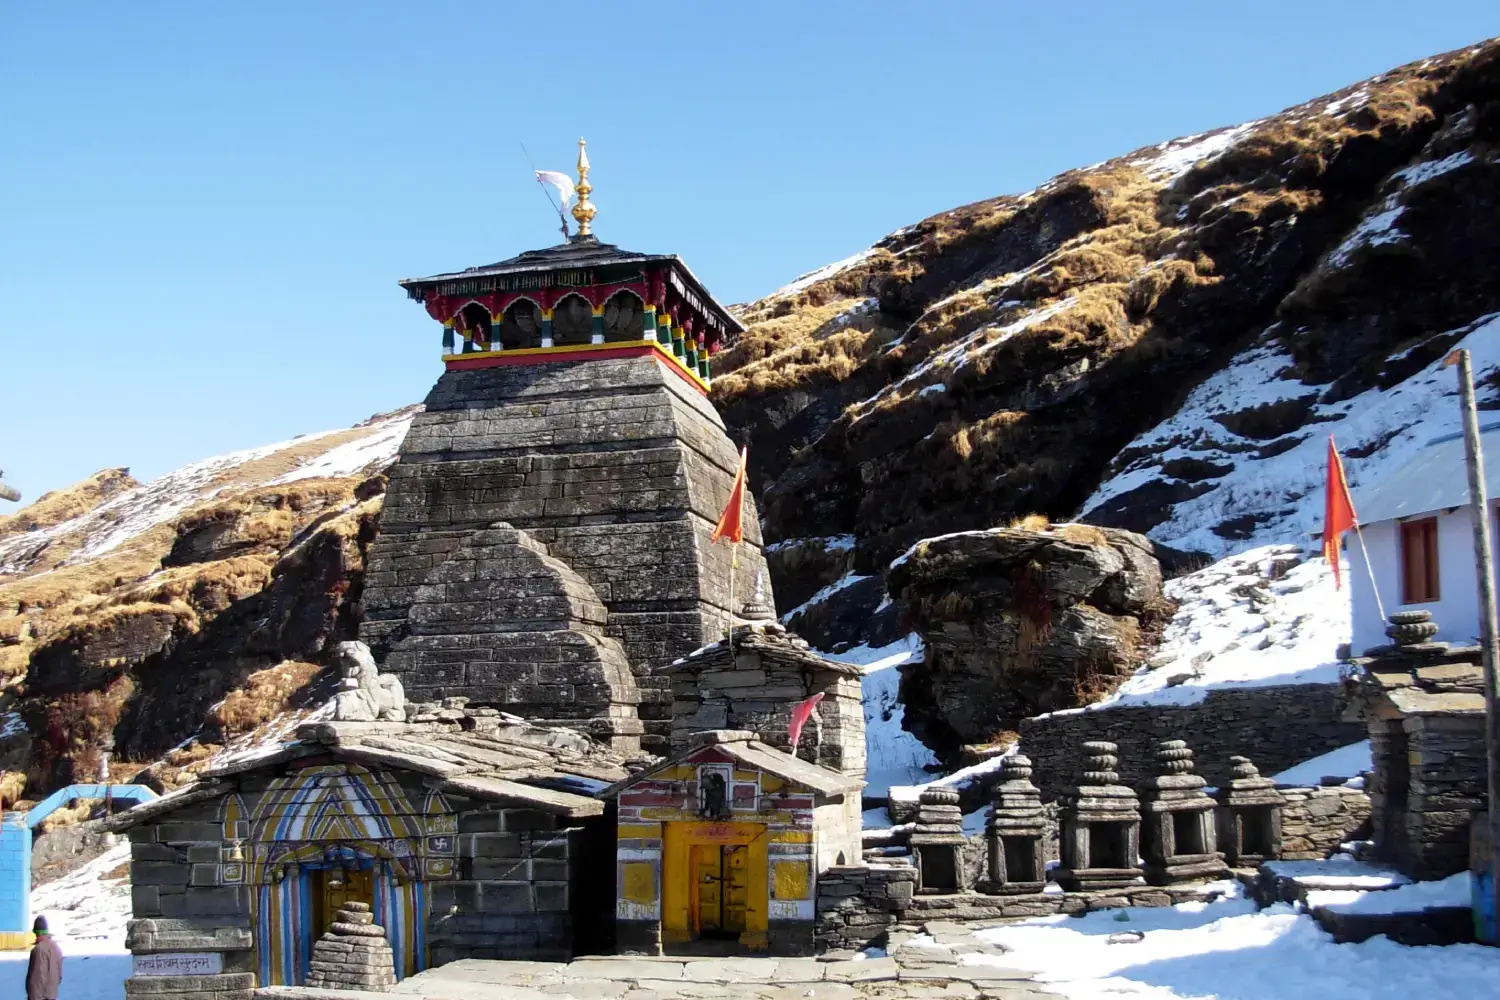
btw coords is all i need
(769, 639)
(1445, 681)
(744, 747)
(551, 770)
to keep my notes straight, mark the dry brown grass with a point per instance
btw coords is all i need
(69, 815)
(1082, 534)
(67, 503)
(266, 694)
(12, 788)
(1030, 522)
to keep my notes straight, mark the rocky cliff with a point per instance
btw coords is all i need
(1039, 352)
(196, 606)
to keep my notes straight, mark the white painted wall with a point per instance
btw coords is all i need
(1457, 610)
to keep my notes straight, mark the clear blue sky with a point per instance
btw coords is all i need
(206, 206)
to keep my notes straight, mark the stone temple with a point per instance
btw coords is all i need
(544, 548)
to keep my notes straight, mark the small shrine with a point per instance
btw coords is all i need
(1249, 816)
(1100, 826)
(1177, 830)
(938, 841)
(1015, 832)
(724, 841)
(751, 681)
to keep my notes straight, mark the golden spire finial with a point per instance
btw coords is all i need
(584, 210)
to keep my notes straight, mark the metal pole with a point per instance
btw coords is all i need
(1484, 567)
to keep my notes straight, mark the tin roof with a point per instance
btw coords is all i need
(1436, 478)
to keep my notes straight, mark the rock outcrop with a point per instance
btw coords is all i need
(1019, 621)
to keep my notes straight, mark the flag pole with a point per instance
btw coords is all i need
(1374, 587)
(1485, 571)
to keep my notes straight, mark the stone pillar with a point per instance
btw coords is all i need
(448, 337)
(937, 843)
(1249, 816)
(1016, 831)
(677, 340)
(648, 323)
(546, 327)
(1177, 832)
(1101, 827)
(354, 954)
(664, 329)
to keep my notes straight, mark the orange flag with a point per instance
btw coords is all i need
(732, 522)
(1338, 511)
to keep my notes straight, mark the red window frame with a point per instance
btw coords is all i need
(1419, 561)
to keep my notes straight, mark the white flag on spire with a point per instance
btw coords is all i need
(561, 182)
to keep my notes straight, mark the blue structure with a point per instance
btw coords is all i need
(15, 853)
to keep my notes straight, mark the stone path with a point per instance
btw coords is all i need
(924, 965)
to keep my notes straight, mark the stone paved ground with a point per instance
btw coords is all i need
(925, 965)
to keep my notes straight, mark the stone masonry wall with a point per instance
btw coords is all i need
(1315, 821)
(616, 466)
(511, 894)
(1428, 785)
(858, 904)
(1275, 727)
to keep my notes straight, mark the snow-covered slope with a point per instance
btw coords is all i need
(892, 755)
(1271, 491)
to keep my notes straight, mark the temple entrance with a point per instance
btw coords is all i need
(722, 879)
(332, 888)
(714, 887)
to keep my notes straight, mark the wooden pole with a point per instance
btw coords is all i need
(1484, 567)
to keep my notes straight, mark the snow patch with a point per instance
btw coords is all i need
(892, 755)
(1455, 892)
(813, 277)
(1235, 626)
(1279, 496)
(1345, 762)
(378, 449)
(849, 579)
(1171, 159)
(1230, 951)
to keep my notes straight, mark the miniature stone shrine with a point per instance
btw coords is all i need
(1100, 823)
(1016, 831)
(1423, 705)
(1177, 830)
(353, 954)
(937, 843)
(1248, 816)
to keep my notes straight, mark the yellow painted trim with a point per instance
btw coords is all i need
(792, 837)
(638, 831)
(16, 940)
(526, 352)
(790, 880)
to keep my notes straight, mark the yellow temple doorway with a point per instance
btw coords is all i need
(714, 883)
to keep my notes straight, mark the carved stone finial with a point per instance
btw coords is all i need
(1411, 628)
(1243, 767)
(937, 795)
(1015, 768)
(1174, 757)
(1100, 762)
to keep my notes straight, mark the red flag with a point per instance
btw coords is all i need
(1338, 511)
(800, 713)
(732, 522)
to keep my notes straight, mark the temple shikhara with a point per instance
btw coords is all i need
(565, 728)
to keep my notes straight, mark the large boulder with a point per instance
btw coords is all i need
(1019, 621)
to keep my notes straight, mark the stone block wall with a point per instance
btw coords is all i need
(1429, 782)
(1315, 821)
(511, 891)
(617, 466)
(180, 907)
(858, 905)
(1275, 727)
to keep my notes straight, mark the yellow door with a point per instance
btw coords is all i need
(708, 874)
(736, 886)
